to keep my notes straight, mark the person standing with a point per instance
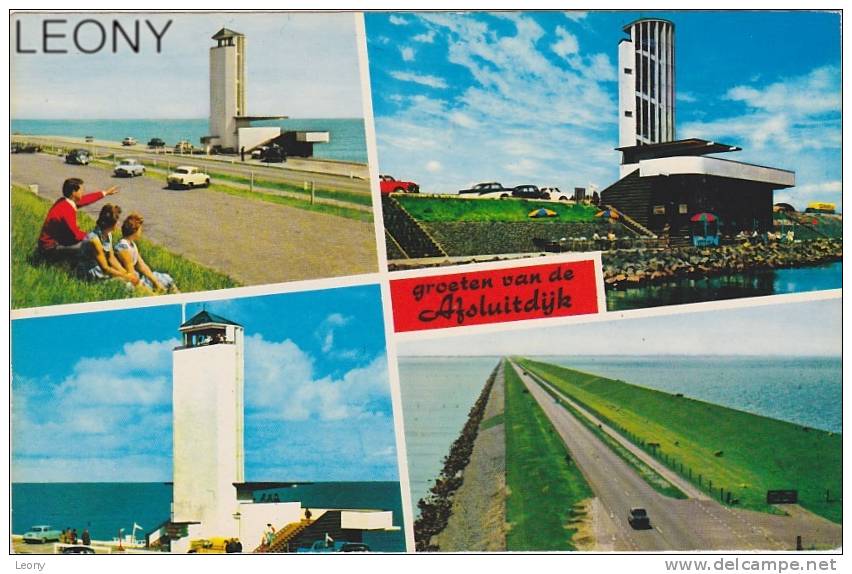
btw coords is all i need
(60, 236)
(87, 538)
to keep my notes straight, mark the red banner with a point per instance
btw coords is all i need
(494, 296)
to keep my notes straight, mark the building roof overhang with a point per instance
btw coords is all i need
(716, 167)
(225, 33)
(205, 318)
(686, 147)
(631, 24)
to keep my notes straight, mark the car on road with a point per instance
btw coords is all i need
(529, 192)
(183, 146)
(555, 193)
(90, 139)
(77, 549)
(638, 519)
(273, 154)
(156, 143)
(487, 189)
(19, 147)
(129, 168)
(388, 184)
(128, 141)
(78, 157)
(40, 534)
(187, 176)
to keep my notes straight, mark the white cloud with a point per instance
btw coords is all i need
(576, 15)
(407, 53)
(516, 91)
(423, 79)
(687, 97)
(567, 43)
(425, 38)
(433, 166)
(398, 20)
(325, 331)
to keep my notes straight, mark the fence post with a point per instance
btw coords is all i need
(313, 193)
(251, 183)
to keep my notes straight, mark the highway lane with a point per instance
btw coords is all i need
(690, 524)
(296, 171)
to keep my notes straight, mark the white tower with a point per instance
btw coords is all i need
(208, 424)
(646, 83)
(227, 87)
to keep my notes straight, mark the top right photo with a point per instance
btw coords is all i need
(699, 151)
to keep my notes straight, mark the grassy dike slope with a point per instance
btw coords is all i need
(37, 283)
(741, 452)
(543, 487)
(452, 208)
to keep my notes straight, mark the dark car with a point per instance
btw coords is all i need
(529, 192)
(78, 157)
(487, 189)
(638, 519)
(273, 154)
(77, 549)
(354, 547)
(156, 142)
(18, 147)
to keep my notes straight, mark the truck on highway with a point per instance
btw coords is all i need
(638, 519)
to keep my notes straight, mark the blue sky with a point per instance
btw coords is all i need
(316, 390)
(787, 329)
(300, 65)
(531, 97)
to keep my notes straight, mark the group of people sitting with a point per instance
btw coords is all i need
(97, 256)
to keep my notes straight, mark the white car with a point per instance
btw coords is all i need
(188, 176)
(129, 168)
(554, 193)
(128, 141)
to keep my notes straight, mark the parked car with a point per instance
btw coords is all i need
(129, 168)
(40, 534)
(156, 143)
(77, 549)
(19, 147)
(529, 192)
(187, 176)
(128, 141)
(487, 189)
(322, 546)
(78, 157)
(388, 185)
(183, 146)
(273, 154)
(555, 193)
(90, 139)
(638, 519)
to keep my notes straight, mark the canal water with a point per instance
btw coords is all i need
(752, 284)
(437, 395)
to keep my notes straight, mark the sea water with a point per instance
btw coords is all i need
(751, 284)
(104, 508)
(437, 395)
(346, 135)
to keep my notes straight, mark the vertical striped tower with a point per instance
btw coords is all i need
(646, 86)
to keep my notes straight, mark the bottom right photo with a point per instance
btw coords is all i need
(711, 429)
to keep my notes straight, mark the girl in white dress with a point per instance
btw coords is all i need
(131, 260)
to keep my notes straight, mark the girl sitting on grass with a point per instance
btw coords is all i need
(131, 260)
(97, 258)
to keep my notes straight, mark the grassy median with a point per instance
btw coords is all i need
(544, 485)
(721, 450)
(452, 208)
(36, 283)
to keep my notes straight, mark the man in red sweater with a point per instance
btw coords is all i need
(60, 237)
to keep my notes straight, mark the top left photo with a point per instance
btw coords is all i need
(157, 153)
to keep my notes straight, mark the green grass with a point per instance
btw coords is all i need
(339, 211)
(492, 422)
(648, 474)
(543, 486)
(436, 209)
(742, 453)
(36, 283)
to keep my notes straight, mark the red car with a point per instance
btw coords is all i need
(390, 185)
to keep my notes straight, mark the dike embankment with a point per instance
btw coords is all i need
(465, 509)
(629, 268)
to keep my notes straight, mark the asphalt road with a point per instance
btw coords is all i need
(688, 524)
(253, 241)
(325, 174)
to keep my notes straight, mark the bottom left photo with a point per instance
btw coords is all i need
(259, 424)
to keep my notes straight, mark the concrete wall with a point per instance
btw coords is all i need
(251, 138)
(626, 95)
(255, 516)
(207, 414)
(224, 94)
(366, 520)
